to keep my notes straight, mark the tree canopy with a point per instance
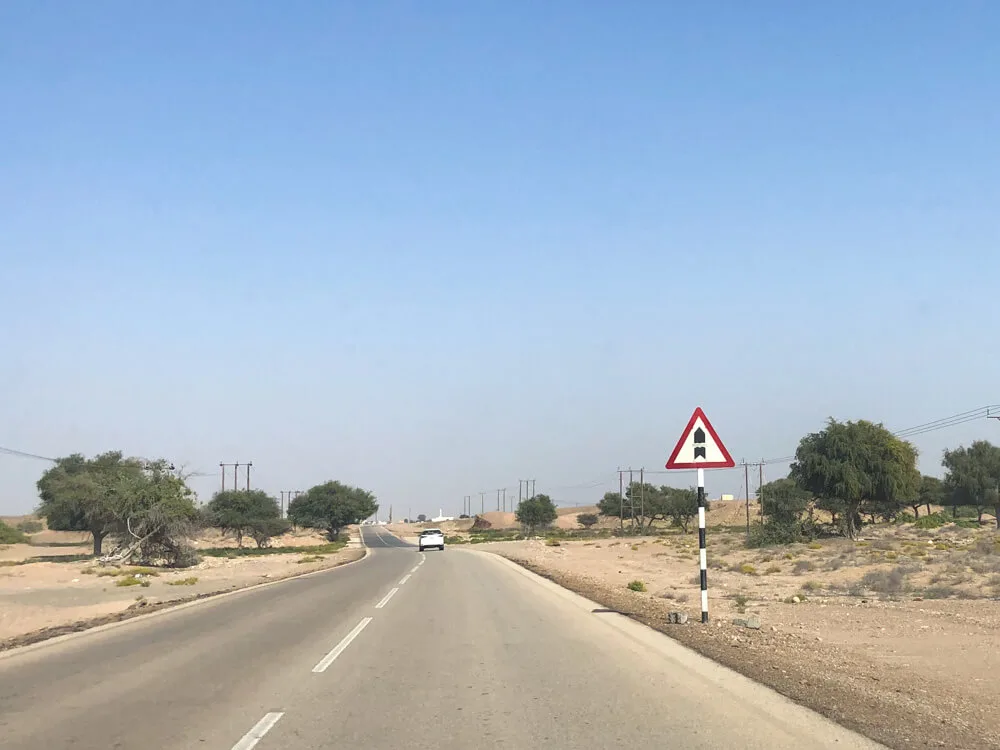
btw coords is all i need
(144, 505)
(856, 467)
(242, 512)
(332, 506)
(535, 512)
(973, 477)
(81, 494)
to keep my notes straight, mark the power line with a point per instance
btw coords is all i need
(25, 454)
(922, 429)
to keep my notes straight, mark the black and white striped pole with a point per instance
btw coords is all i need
(702, 549)
(700, 448)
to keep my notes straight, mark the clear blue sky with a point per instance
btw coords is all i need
(433, 247)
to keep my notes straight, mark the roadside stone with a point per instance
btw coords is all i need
(678, 618)
(752, 622)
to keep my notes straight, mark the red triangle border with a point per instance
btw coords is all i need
(672, 462)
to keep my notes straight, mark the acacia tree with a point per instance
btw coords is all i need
(783, 502)
(332, 506)
(252, 512)
(587, 519)
(680, 505)
(81, 494)
(973, 477)
(931, 492)
(860, 465)
(536, 511)
(156, 517)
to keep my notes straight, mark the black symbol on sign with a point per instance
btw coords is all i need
(699, 443)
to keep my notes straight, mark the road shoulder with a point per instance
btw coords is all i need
(872, 711)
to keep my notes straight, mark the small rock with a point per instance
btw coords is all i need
(678, 618)
(752, 622)
(796, 600)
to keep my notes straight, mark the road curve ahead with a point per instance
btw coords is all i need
(454, 649)
(376, 537)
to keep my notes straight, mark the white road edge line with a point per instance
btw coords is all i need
(327, 660)
(414, 569)
(387, 598)
(405, 578)
(262, 727)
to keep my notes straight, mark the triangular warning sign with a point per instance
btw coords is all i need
(700, 447)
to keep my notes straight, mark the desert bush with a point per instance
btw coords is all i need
(550, 542)
(885, 582)
(748, 570)
(189, 581)
(932, 521)
(772, 569)
(802, 566)
(131, 580)
(309, 559)
(10, 535)
(30, 527)
(811, 586)
(636, 585)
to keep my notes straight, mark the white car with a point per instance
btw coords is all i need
(431, 538)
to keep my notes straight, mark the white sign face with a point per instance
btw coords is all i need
(700, 447)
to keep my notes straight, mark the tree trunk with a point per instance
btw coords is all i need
(979, 518)
(996, 513)
(239, 538)
(98, 542)
(916, 510)
(928, 508)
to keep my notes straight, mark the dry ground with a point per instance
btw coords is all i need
(896, 636)
(40, 598)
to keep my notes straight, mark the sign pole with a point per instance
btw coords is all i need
(702, 552)
(700, 448)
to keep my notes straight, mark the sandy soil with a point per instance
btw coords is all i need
(35, 596)
(897, 636)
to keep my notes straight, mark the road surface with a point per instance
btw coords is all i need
(454, 649)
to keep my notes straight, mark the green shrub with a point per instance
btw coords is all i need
(131, 580)
(772, 534)
(932, 521)
(311, 549)
(30, 527)
(550, 542)
(748, 570)
(309, 559)
(189, 581)
(637, 585)
(10, 535)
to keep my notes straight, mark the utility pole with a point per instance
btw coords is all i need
(519, 482)
(498, 501)
(504, 499)
(282, 506)
(249, 464)
(236, 466)
(746, 484)
(621, 498)
(482, 502)
(760, 484)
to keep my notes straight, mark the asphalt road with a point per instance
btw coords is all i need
(453, 649)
